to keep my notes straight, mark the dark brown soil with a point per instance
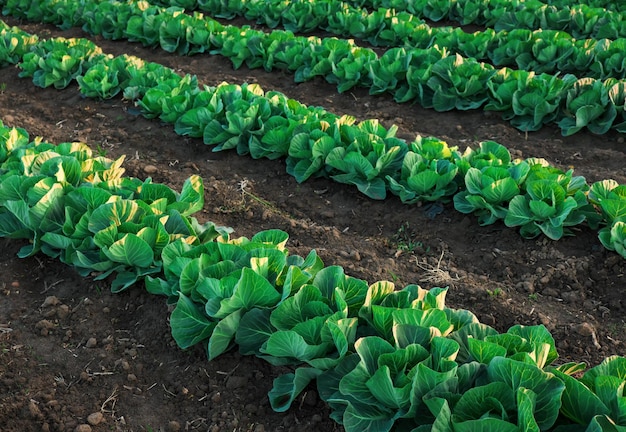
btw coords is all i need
(73, 354)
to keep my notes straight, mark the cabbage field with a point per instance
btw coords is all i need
(367, 215)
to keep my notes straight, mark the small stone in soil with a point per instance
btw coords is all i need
(236, 382)
(150, 169)
(95, 418)
(584, 329)
(50, 301)
(173, 426)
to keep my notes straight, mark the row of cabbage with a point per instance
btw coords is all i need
(485, 181)
(508, 5)
(387, 27)
(433, 77)
(383, 359)
(541, 50)
(591, 18)
(580, 20)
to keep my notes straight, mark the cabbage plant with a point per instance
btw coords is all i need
(610, 197)
(588, 105)
(144, 26)
(58, 61)
(108, 19)
(371, 153)
(459, 83)
(428, 173)
(489, 191)
(106, 78)
(390, 70)
(553, 200)
(419, 72)
(14, 43)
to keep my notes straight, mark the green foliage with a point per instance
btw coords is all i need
(549, 50)
(302, 16)
(58, 61)
(610, 197)
(489, 190)
(419, 72)
(105, 80)
(536, 101)
(170, 98)
(317, 143)
(108, 19)
(588, 105)
(459, 83)
(321, 56)
(553, 201)
(503, 85)
(491, 181)
(24, 9)
(614, 237)
(14, 43)
(352, 70)
(517, 42)
(372, 154)
(145, 75)
(488, 154)
(185, 34)
(596, 398)
(284, 51)
(428, 172)
(144, 26)
(311, 144)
